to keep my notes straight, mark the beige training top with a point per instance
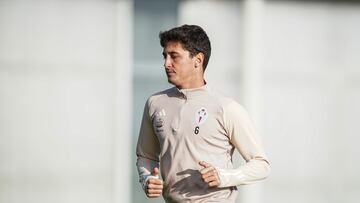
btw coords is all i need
(182, 127)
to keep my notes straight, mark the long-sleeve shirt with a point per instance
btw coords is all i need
(182, 127)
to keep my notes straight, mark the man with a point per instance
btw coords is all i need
(190, 131)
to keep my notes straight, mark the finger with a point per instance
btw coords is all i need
(210, 179)
(153, 195)
(206, 170)
(214, 183)
(153, 191)
(155, 172)
(208, 174)
(155, 186)
(155, 181)
(204, 164)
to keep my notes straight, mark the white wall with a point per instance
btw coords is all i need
(58, 92)
(311, 85)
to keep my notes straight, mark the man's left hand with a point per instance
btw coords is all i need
(209, 174)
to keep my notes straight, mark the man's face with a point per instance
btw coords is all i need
(179, 66)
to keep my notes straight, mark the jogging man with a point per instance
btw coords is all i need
(189, 132)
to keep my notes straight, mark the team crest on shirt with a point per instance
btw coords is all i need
(200, 117)
(159, 120)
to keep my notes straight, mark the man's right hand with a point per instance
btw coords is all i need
(154, 185)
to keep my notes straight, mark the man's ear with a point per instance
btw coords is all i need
(199, 59)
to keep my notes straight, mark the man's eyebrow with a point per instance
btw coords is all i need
(170, 52)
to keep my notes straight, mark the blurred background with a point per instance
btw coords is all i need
(75, 75)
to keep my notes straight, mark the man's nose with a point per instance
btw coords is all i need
(167, 62)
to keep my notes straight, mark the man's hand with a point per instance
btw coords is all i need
(209, 174)
(154, 186)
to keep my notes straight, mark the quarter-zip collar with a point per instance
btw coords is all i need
(193, 92)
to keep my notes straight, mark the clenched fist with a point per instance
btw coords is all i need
(209, 174)
(154, 186)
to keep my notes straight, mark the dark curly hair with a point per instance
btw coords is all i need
(193, 39)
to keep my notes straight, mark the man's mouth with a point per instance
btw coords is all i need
(170, 73)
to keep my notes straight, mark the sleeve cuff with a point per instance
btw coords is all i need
(230, 177)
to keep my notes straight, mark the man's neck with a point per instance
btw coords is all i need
(192, 85)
